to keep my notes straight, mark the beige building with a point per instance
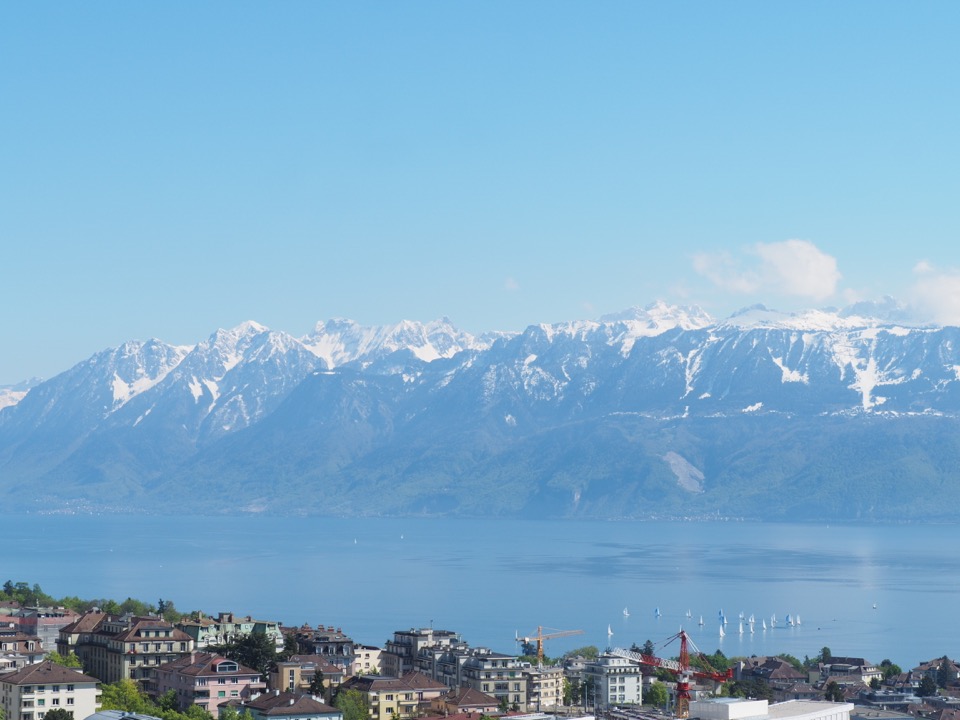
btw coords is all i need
(406, 697)
(32, 691)
(544, 688)
(400, 654)
(297, 674)
(112, 647)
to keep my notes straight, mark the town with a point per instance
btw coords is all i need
(133, 661)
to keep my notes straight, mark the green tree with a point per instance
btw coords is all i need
(503, 706)
(751, 689)
(124, 695)
(656, 695)
(928, 687)
(945, 673)
(824, 655)
(890, 668)
(588, 651)
(833, 692)
(58, 714)
(316, 685)
(290, 646)
(875, 683)
(353, 704)
(795, 662)
(255, 650)
(70, 661)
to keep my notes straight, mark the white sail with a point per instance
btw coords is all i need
(722, 633)
(657, 612)
(764, 624)
(701, 620)
(609, 631)
(626, 613)
(740, 630)
(797, 620)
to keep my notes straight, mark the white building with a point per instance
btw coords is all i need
(612, 680)
(736, 709)
(29, 693)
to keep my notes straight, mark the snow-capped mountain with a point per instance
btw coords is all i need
(587, 417)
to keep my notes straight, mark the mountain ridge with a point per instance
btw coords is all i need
(651, 411)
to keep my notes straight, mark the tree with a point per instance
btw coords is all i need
(890, 669)
(875, 683)
(353, 704)
(751, 689)
(928, 687)
(503, 706)
(588, 651)
(316, 685)
(656, 694)
(58, 714)
(795, 662)
(945, 673)
(255, 650)
(124, 695)
(70, 661)
(833, 692)
(824, 655)
(290, 646)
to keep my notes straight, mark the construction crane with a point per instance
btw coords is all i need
(541, 636)
(680, 667)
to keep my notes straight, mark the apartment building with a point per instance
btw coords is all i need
(207, 680)
(34, 690)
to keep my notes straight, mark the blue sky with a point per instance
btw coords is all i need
(171, 168)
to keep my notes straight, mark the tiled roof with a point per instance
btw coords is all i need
(469, 697)
(45, 672)
(279, 704)
(88, 622)
(151, 624)
(203, 664)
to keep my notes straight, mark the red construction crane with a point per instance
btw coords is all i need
(680, 667)
(541, 636)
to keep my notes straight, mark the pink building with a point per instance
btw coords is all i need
(207, 680)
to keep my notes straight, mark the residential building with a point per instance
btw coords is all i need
(298, 673)
(278, 705)
(32, 691)
(544, 687)
(400, 654)
(366, 660)
(328, 642)
(44, 622)
(113, 647)
(18, 649)
(226, 627)
(405, 697)
(457, 665)
(465, 700)
(845, 671)
(613, 680)
(207, 680)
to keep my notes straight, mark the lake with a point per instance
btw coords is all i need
(492, 579)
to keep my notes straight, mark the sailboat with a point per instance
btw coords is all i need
(789, 620)
(701, 621)
(722, 633)
(656, 612)
(797, 619)
(752, 620)
(764, 622)
(751, 628)
(741, 627)
(689, 614)
(626, 613)
(609, 632)
(773, 621)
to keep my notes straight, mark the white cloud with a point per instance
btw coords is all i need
(936, 293)
(788, 267)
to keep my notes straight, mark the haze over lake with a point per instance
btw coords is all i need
(491, 579)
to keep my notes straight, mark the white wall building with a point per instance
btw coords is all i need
(32, 691)
(615, 681)
(736, 709)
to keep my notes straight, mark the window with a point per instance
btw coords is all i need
(221, 693)
(55, 688)
(69, 688)
(41, 688)
(56, 701)
(221, 681)
(69, 701)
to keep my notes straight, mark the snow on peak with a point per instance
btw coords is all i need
(660, 317)
(339, 341)
(825, 320)
(652, 320)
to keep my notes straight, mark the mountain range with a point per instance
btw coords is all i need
(655, 412)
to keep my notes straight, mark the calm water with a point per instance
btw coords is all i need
(491, 579)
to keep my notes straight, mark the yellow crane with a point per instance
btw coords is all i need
(541, 636)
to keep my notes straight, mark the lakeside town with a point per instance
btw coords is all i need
(132, 660)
